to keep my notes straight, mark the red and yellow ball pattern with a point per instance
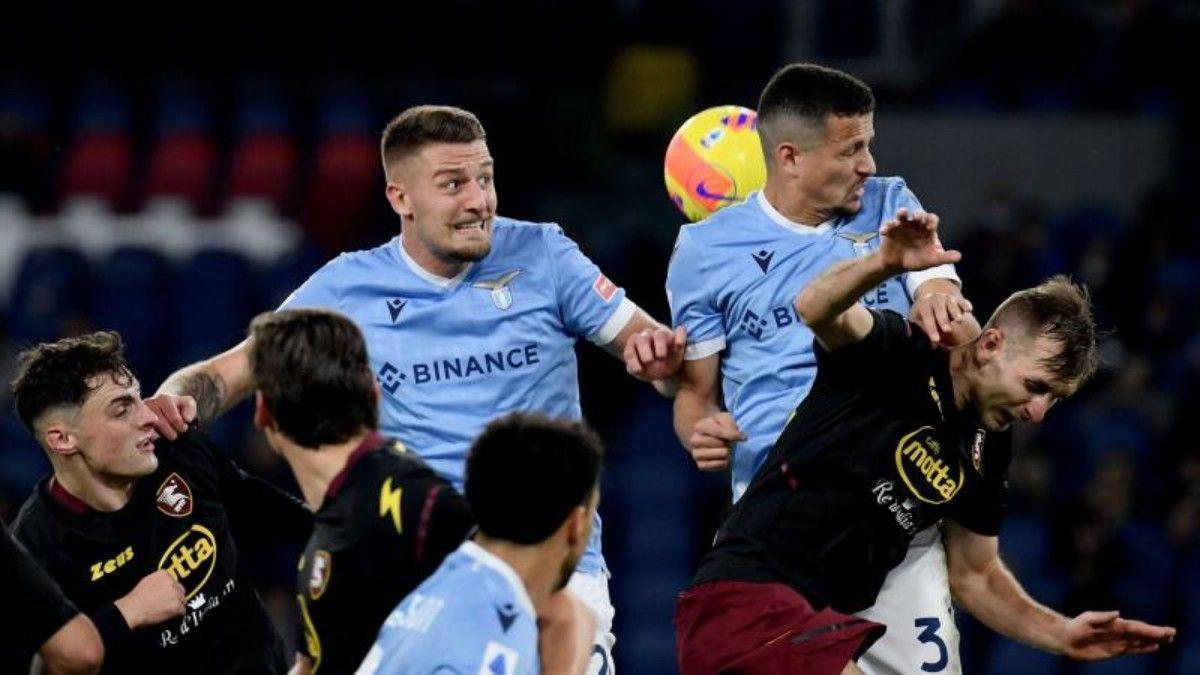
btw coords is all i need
(714, 160)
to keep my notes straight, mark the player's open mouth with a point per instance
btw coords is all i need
(475, 225)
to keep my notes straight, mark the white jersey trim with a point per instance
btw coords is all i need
(483, 557)
(441, 282)
(700, 350)
(785, 222)
(913, 280)
(615, 324)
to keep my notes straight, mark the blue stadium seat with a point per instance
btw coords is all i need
(22, 460)
(215, 296)
(132, 297)
(50, 296)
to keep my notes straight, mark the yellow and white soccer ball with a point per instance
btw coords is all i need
(714, 160)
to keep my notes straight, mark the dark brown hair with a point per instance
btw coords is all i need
(60, 373)
(312, 369)
(424, 124)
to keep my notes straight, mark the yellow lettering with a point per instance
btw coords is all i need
(204, 551)
(96, 573)
(949, 488)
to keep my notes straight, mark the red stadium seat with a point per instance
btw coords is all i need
(264, 165)
(181, 165)
(98, 163)
(340, 194)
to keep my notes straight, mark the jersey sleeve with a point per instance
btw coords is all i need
(900, 197)
(590, 304)
(255, 506)
(321, 290)
(692, 304)
(444, 521)
(982, 509)
(25, 585)
(891, 340)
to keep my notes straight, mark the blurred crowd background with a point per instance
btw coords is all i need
(170, 171)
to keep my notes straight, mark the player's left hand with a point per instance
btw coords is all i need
(655, 353)
(939, 315)
(909, 242)
(1093, 636)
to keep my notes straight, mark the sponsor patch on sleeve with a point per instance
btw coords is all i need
(604, 288)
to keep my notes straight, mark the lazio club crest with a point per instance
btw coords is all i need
(501, 293)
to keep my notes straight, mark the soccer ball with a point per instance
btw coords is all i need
(714, 160)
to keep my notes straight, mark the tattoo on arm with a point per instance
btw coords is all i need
(209, 392)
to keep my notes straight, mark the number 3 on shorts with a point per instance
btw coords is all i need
(929, 627)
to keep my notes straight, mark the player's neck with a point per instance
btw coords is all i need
(960, 374)
(428, 261)
(101, 493)
(315, 468)
(535, 565)
(785, 199)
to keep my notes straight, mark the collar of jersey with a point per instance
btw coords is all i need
(783, 221)
(372, 442)
(481, 556)
(441, 282)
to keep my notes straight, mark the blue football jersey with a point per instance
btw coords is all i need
(732, 282)
(472, 617)
(453, 354)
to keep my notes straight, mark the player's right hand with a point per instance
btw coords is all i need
(173, 414)
(156, 598)
(711, 443)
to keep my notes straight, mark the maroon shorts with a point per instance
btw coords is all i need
(754, 627)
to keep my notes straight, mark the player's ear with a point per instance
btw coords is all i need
(262, 414)
(577, 526)
(57, 438)
(787, 157)
(989, 345)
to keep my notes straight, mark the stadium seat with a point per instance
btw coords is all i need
(214, 294)
(264, 165)
(98, 164)
(181, 165)
(132, 297)
(50, 296)
(22, 460)
(341, 189)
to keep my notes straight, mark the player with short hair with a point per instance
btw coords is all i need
(749, 360)
(894, 437)
(468, 315)
(384, 520)
(47, 623)
(135, 533)
(533, 483)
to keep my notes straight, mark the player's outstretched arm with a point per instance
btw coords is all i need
(703, 428)
(213, 386)
(983, 585)
(829, 304)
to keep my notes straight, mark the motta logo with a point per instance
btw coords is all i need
(174, 497)
(931, 477)
(191, 559)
